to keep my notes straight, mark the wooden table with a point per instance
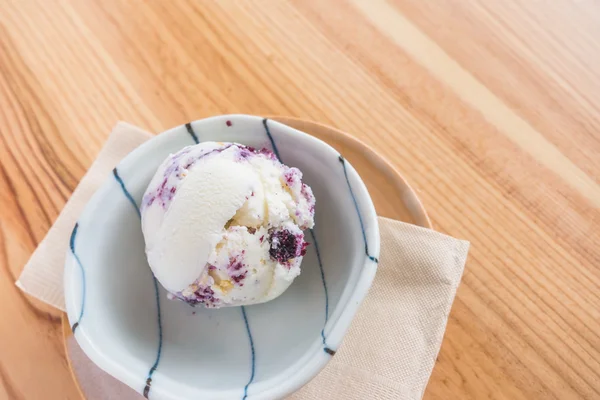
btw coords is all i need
(491, 109)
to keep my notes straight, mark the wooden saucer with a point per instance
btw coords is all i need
(391, 194)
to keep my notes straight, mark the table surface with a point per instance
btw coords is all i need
(490, 109)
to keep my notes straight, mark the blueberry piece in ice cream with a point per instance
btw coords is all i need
(286, 245)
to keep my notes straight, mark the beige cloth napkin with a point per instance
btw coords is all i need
(391, 347)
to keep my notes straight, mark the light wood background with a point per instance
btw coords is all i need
(491, 109)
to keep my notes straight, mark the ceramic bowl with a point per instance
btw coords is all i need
(166, 349)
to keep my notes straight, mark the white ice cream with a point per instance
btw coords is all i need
(223, 224)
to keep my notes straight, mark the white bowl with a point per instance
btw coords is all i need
(168, 350)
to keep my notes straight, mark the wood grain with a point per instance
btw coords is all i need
(490, 109)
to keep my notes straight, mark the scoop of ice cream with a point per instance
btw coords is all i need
(223, 224)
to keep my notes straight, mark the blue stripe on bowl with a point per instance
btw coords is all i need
(271, 139)
(160, 340)
(252, 353)
(316, 246)
(72, 246)
(159, 319)
(190, 130)
(362, 226)
(126, 192)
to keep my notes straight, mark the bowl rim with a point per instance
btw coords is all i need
(309, 364)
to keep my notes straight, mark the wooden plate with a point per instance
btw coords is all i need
(391, 194)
